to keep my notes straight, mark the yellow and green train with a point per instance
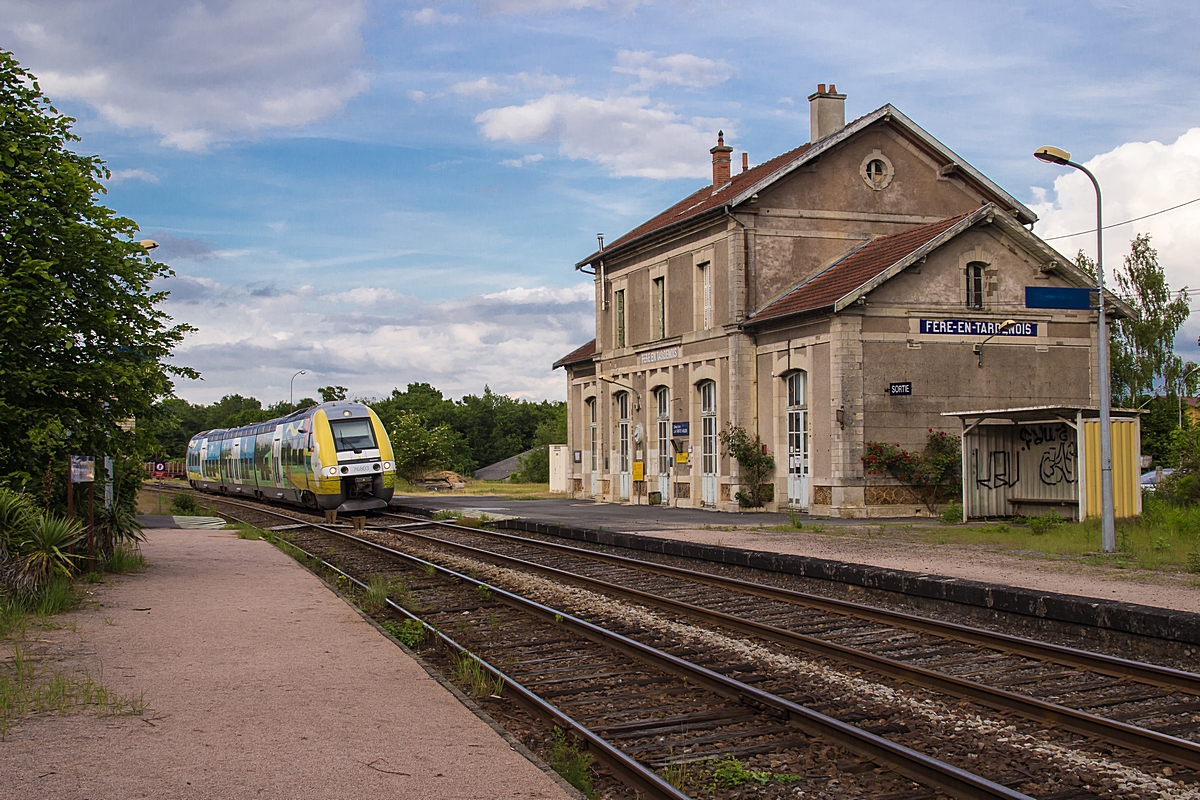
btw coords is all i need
(334, 456)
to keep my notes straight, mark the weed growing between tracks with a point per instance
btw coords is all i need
(725, 773)
(564, 757)
(409, 632)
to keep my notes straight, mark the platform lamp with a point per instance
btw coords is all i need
(610, 379)
(1108, 527)
(292, 387)
(1008, 323)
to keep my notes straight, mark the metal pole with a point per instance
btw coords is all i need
(92, 526)
(70, 490)
(1108, 529)
(292, 387)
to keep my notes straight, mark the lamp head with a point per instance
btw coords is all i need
(608, 378)
(1052, 155)
(1008, 323)
(148, 244)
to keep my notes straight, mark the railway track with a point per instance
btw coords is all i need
(750, 702)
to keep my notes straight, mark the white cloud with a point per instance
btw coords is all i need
(417, 96)
(250, 341)
(482, 87)
(523, 160)
(1137, 178)
(681, 69)
(121, 175)
(194, 73)
(431, 16)
(626, 135)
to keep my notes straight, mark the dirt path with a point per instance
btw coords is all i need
(896, 550)
(258, 682)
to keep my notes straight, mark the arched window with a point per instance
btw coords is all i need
(797, 426)
(708, 443)
(975, 285)
(623, 430)
(662, 400)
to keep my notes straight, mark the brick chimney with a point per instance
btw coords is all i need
(720, 155)
(826, 112)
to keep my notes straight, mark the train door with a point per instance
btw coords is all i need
(662, 399)
(797, 418)
(235, 463)
(595, 447)
(623, 443)
(708, 443)
(276, 452)
(204, 459)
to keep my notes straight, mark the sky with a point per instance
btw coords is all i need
(384, 193)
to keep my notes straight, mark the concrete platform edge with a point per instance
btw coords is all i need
(1132, 618)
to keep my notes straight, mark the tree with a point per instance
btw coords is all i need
(82, 342)
(331, 393)
(535, 465)
(418, 448)
(1143, 348)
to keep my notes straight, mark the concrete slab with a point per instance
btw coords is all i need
(259, 682)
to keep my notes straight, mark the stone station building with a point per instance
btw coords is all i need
(848, 291)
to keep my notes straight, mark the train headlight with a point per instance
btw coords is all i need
(345, 470)
(331, 471)
(387, 466)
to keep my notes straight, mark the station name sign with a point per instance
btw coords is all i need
(976, 327)
(655, 356)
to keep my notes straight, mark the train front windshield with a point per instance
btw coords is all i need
(353, 434)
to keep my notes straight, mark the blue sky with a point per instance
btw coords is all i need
(382, 193)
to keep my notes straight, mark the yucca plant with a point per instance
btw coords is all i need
(117, 525)
(43, 552)
(16, 517)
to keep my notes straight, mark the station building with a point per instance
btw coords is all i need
(850, 290)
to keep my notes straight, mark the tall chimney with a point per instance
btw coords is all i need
(826, 112)
(720, 155)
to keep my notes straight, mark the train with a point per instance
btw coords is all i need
(331, 457)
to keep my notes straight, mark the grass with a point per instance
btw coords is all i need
(474, 679)
(124, 559)
(26, 688)
(410, 632)
(564, 757)
(726, 773)
(502, 489)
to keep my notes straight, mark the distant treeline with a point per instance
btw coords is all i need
(482, 429)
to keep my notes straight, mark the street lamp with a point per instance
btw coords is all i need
(292, 387)
(637, 394)
(1108, 527)
(1008, 323)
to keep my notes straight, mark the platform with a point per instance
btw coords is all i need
(258, 682)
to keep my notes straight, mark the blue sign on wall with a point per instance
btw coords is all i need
(681, 429)
(1058, 297)
(976, 327)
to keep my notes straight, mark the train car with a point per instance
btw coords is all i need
(333, 456)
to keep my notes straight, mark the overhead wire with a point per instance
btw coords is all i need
(1118, 224)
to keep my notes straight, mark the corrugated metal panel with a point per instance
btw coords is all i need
(1127, 447)
(1019, 462)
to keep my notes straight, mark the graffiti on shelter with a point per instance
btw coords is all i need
(1058, 464)
(1034, 435)
(1000, 469)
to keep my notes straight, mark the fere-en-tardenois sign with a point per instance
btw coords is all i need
(976, 327)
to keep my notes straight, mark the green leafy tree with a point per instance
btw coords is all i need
(83, 344)
(1143, 348)
(331, 393)
(419, 449)
(535, 465)
(934, 474)
(755, 465)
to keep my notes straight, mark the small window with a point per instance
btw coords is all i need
(706, 303)
(660, 308)
(876, 171)
(975, 286)
(619, 318)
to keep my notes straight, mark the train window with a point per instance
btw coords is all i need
(352, 434)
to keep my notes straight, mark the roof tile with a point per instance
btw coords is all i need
(580, 354)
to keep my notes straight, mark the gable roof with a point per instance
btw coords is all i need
(743, 186)
(868, 267)
(577, 356)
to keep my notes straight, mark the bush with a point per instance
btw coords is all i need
(934, 474)
(755, 465)
(184, 504)
(952, 514)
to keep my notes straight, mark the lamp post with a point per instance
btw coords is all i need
(1108, 529)
(636, 393)
(292, 387)
(1008, 323)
